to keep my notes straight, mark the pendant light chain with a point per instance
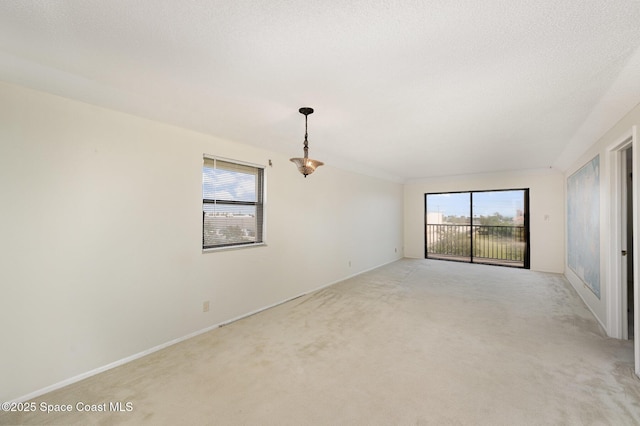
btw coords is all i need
(306, 141)
(306, 134)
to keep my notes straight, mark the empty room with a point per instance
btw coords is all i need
(304, 212)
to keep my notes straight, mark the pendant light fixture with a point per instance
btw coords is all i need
(306, 165)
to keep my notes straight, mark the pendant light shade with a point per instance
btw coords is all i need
(306, 165)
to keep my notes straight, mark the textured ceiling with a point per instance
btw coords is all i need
(404, 89)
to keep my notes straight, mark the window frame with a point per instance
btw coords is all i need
(259, 205)
(472, 258)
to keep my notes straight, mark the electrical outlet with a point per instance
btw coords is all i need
(205, 306)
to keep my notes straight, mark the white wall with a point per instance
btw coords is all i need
(546, 210)
(101, 237)
(602, 308)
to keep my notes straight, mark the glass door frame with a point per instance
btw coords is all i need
(526, 261)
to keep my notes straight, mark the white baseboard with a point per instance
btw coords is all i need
(149, 351)
(575, 283)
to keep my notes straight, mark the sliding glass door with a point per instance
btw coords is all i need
(478, 226)
(448, 224)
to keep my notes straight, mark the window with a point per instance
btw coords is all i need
(232, 203)
(478, 227)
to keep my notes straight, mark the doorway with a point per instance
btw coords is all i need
(623, 304)
(490, 227)
(626, 237)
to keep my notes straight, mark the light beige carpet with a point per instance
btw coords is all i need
(414, 342)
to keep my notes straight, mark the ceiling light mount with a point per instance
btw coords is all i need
(306, 165)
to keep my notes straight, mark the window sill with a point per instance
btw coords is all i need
(228, 248)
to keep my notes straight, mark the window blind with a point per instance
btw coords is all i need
(232, 203)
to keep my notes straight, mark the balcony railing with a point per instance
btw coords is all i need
(505, 245)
